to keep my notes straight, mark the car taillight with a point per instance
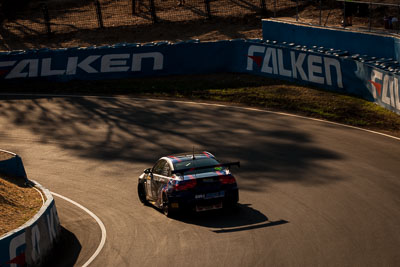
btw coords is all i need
(185, 185)
(227, 179)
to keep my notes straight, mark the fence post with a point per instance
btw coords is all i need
(133, 7)
(153, 11)
(99, 15)
(370, 15)
(263, 6)
(46, 17)
(398, 17)
(344, 13)
(208, 9)
(320, 12)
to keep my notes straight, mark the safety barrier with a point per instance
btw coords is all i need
(117, 61)
(11, 165)
(353, 42)
(31, 243)
(374, 78)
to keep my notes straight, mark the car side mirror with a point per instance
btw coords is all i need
(147, 171)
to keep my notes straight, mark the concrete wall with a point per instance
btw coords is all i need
(330, 69)
(11, 165)
(354, 42)
(31, 243)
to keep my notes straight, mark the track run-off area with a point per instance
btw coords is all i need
(312, 193)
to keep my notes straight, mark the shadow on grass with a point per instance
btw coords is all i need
(18, 181)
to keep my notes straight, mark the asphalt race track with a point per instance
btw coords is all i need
(311, 193)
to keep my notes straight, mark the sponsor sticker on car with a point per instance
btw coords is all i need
(210, 195)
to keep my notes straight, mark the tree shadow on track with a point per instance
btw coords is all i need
(244, 218)
(271, 148)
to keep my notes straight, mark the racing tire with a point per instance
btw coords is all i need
(166, 208)
(142, 194)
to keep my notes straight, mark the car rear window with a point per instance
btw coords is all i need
(196, 164)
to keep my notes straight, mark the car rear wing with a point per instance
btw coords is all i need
(207, 167)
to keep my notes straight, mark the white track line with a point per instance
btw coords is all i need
(99, 222)
(209, 104)
(277, 113)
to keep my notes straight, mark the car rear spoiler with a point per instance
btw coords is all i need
(207, 167)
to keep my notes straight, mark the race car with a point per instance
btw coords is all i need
(189, 182)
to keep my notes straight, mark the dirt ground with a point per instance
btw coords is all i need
(174, 32)
(74, 23)
(4, 155)
(18, 204)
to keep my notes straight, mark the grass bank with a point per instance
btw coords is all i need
(18, 204)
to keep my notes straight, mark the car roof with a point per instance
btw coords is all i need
(189, 156)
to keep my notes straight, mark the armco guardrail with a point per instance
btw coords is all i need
(31, 243)
(375, 79)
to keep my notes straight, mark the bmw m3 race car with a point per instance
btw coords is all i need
(189, 181)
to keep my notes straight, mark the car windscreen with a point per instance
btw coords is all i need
(188, 164)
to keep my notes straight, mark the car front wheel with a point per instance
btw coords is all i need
(142, 194)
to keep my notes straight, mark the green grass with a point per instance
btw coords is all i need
(237, 89)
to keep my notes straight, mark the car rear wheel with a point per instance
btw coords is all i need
(166, 208)
(142, 194)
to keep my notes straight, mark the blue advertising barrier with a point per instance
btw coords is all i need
(31, 244)
(12, 165)
(119, 61)
(353, 42)
(375, 79)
